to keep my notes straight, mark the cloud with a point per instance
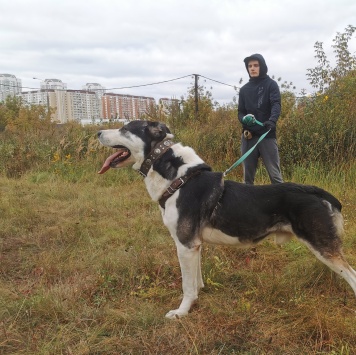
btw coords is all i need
(122, 43)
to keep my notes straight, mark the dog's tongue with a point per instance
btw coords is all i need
(106, 165)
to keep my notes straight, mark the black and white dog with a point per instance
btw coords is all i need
(198, 205)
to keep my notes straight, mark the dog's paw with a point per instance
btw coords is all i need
(175, 314)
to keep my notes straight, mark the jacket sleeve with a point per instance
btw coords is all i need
(275, 101)
(241, 110)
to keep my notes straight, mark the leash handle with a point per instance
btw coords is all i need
(239, 161)
(250, 120)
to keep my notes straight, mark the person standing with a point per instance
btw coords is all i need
(261, 98)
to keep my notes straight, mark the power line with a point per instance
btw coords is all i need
(137, 86)
(17, 86)
(234, 86)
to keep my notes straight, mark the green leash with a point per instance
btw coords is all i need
(249, 120)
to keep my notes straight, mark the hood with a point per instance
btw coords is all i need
(261, 60)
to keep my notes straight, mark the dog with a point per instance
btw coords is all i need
(199, 205)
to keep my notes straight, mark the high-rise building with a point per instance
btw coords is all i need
(83, 105)
(90, 104)
(125, 106)
(53, 84)
(9, 86)
(95, 87)
(167, 104)
(52, 94)
(68, 105)
(38, 97)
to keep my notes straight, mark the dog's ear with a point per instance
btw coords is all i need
(158, 130)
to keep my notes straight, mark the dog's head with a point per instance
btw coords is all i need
(133, 142)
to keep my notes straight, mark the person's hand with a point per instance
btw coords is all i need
(249, 120)
(270, 125)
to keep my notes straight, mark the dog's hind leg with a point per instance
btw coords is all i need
(320, 228)
(338, 264)
(189, 260)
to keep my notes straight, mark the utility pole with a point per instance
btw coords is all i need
(196, 77)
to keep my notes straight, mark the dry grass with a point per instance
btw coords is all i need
(89, 268)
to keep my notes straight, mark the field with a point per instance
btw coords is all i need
(87, 267)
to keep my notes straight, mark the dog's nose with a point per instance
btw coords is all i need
(99, 133)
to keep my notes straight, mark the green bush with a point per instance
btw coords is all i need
(322, 129)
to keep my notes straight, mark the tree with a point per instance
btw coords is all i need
(322, 76)
(9, 110)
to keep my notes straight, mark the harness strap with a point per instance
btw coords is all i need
(176, 185)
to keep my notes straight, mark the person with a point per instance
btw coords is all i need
(261, 98)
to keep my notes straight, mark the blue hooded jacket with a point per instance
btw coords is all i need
(260, 97)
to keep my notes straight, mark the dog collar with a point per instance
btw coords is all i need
(158, 150)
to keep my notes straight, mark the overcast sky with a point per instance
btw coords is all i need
(122, 43)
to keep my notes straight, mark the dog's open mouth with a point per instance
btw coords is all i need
(115, 159)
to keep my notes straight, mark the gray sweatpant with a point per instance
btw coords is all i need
(267, 149)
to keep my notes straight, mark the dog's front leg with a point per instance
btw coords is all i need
(189, 260)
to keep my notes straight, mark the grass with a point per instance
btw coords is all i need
(88, 268)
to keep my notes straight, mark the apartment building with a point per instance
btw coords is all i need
(52, 94)
(54, 99)
(168, 106)
(38, 97)
(96, 88)
(125, 106)
(68, 105)
(82, 105)
(53, 84)
(166, 103)
(9, 86)
(90, 104)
